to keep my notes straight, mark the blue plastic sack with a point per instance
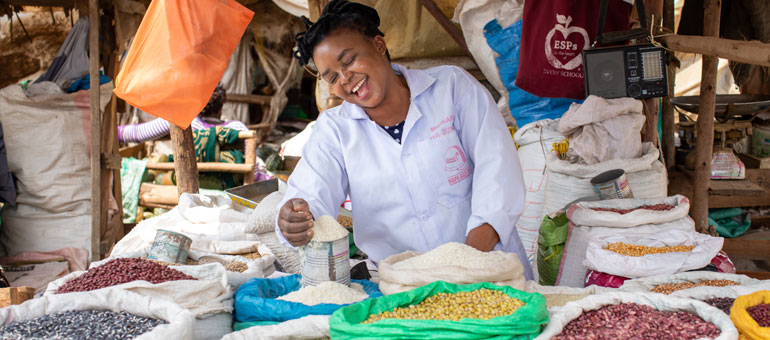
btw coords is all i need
(525, 107)
(256, 300)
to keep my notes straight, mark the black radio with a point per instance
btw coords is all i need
(637, 71)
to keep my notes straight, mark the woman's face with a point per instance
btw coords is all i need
(355, 66)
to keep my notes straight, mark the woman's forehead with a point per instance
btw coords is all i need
(337, 42)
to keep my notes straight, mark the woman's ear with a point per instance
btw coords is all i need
(379, 44)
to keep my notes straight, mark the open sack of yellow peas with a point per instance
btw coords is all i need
(443, 310)
(751, 315)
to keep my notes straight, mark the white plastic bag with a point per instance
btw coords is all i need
(561, 316)
(304, 328)
(646, 284)
(705, 292)
(180, 320)
(567, 182)
(534, 140)
(208, 295)
(600, 259)
(508, 272)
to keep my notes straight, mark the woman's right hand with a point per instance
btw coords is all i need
(296, 221)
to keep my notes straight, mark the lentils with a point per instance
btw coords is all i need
(637, 251)
(478, 304)
(657, 207)
(669, 288)
(634, 321)
(761, 314)
(236, 266)
(122, 270)
(85, 324)
(723, 304)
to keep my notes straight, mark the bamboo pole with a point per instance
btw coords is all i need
(668, 121)
(705, 125)
(96, 128)
(184, 160)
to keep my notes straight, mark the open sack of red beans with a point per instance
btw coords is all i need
(751, 315)
(642, 316)
(202, 289)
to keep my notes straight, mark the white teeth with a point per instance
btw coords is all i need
(358, 86)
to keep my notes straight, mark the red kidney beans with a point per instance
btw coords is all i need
(761, 314)
(657, 207)
(639, 322)
(122, 270)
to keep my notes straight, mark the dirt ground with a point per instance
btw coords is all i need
(22, 58)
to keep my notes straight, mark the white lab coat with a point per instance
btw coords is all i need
(428, 190)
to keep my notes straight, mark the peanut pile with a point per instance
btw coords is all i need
(657, 207)
(236, 266)
(122, 270)
(669, 288)
(637, 251)
(478, 304)
(640, 322)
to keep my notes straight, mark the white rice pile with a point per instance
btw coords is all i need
(327, 292)
(454, 254)
(327, 229)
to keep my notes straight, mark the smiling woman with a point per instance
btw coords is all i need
(424, 155)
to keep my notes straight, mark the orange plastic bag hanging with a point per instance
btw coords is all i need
(178, 56)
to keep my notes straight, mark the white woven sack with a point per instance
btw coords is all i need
(705, 292)
(567, 182)
(286, 257)
(561, 316)
(258, 268)
(208, 295)
(646, 284)
(583, 213)
(534, 140)
(572, 271)
(180, 320)
(600, 259)
(508, 272)
(213, 327)
(305, 328)
(262, 219)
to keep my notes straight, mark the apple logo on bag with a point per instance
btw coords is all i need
(564, 52)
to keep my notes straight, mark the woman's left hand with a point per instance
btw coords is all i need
(483, 237)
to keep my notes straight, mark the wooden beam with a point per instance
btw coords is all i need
(750, 52)
(96, 128)
(184, 160)
(150, 194)
(204, 167)
(668, 120)
(747, 248)
(43, 3)
(248, 98)
(705, 125)
(448, 26)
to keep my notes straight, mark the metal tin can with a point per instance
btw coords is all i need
(612, 184)
(169, 246)
(326, 261)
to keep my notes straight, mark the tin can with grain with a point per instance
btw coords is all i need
(169, 246)
(612, 184)
(326, 261)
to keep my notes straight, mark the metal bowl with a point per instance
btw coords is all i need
(742, 104)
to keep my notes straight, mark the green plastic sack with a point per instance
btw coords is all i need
(550, 244)
(526, 323)
(730, 222)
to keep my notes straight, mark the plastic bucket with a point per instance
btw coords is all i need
(760, 141)
(169, 246)
(612, 184)
(326, 261)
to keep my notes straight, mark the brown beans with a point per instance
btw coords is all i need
(122, 270)
(639, 322)
(657, 207)
(761, 314)
(237, 266)
(669, 288)
(722, 303)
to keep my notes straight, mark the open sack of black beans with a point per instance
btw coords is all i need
(100, 314)
(202, 289)
(642, 316)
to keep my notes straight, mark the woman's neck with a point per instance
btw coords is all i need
(395, 105)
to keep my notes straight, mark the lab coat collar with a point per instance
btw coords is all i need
(417, 80)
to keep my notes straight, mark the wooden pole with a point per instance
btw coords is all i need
(705, 125)
(654, 12)
(184, 160)
(668, 121)
(448, 26)
(749, 52)
(96, 128)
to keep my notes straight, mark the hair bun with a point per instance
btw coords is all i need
(342, 7)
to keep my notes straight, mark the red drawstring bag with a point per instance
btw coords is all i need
(553, 35)
(178, 56)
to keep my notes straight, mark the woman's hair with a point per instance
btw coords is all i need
(336, 15)
(214, 106)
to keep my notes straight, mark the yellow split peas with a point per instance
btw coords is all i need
(478, 304)
(635, 250)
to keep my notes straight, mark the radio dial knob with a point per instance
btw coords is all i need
(634, 90)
